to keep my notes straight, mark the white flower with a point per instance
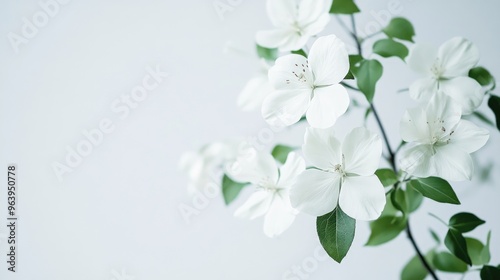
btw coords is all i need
(296, 21)
(202, 167)
(344, 175)
(271, 198)
(440, 141)
(309, 86)
(446, 71)
(256, 90)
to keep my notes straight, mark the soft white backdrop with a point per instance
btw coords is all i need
(116, 215)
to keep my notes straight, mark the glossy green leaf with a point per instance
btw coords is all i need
(344, 7)
(400, 28)
(494, 104)
(413, 198)
(436, 189)
(455, 242)
(489, 272)
(384, 229)
(465, 222)
(475, 249)
(482, 76)
(390, 48)
(445, 261)
(336, 233)
(231, 189)
(266, 53)
(367, 76)
(280, 152)
(386, 176)
(398, 201)
(354, 60)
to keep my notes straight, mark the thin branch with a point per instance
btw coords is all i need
(420, 255)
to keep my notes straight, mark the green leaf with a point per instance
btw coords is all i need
(482, 76)
(389, 209)
(398, 200)
(494, 104)
(445, 261)
(475, 249)
(389, 48)
(354, 59)
(384, 229)
(400, 28)
(414, 270)
(367, 75)
(436, 189)
(336, 233)
(485, 253)
(490, 273)
(465, 222)
(280, 152)
(231, 189)
(413, 198)
(300, 52)
(483, 118)
(266, 53)
(344, 7)
(386, 176)
(435, 236)
(455, 242)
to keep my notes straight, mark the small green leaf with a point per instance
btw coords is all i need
(389, 48)
(485, 253)
(384, 229)
(336, 233)
(344, 7)
(367, 76)
(435, 236)
(414, 270)
(490, 273)
(389, 209)
(494, 104)
(455, 242)
(386, 176)
(475, 249)
(266, 53)
(354, 59)
(445, 261)
(231, 189)
(300, 52)
(465, 222)
(436, 189)
(398, 200)
(413, 198)
(400, 28)
(280, 152)
(482, 76)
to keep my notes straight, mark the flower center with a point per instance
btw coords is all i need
(437, 69)
(267, 184)
(300, 72)
(440, 135)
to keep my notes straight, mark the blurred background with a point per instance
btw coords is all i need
(115, 213)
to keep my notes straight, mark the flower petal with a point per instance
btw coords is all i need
(311, 10)
(417, 161)
(362, 150)
(281, 12)
(469, 137)
(443, 113)
(253, 167)
(423, 89)
(295, 41)
(316, 26)
(457, 56)
(293, 166)
(291, 72)
(465, 91)
(272, 38)
(254, 93)
(257, 205)
(413, 126)
(280, 215)
(315, 192)
(453, 164)
(327, 105)
(329, 60)
(285, 107)
(321, 148)
(421, 58)
(362, 198)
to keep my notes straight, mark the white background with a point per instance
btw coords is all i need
(118, 210)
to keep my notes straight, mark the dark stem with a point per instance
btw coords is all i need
(420, 256)
(391, 155)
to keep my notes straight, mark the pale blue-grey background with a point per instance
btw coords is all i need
(118, 211)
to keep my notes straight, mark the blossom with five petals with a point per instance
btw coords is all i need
(309, 86)
(296, 21)
(440, 141)
(343, 175)
(271, 198)
(446, 71)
